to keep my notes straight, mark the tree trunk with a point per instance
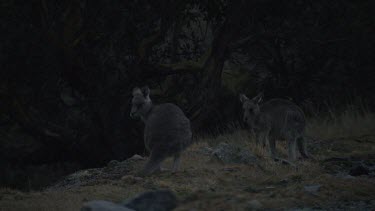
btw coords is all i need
(210, 85)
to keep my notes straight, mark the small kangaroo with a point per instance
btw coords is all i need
(167, 130)
(276, 119)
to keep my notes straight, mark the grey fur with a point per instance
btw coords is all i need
(274, 120)
(167, 129)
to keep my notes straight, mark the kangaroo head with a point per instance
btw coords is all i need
(250, 108)
(141, 103)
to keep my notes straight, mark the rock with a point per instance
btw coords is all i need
(112, 163)
(283, 182)
(336, 159)
(159, 200)
(115, 170)
(254, 205)
(348, 177)
(371, 168)
(252, 189)
(313, 189)
(359, 170)
(100, 205)
(206, 150)
(228, 153)
(339, 205)
(137, 157)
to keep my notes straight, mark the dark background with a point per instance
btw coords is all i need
(67, 69)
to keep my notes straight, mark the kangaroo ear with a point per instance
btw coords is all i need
(258, 98)
(145, 91)
(243, 98)
(136, 91)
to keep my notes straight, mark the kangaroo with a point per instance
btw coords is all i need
(276, 119)
(167, 130)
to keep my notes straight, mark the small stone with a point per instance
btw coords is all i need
(313, 189)
(233, 154)
(130, 179)
(359, 170)
(254, 205)
(270, 188)
(348, 177)
(283, 182)
(251, 189)
(138, 179)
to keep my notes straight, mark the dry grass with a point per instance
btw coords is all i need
(354, 121)
(203, 184)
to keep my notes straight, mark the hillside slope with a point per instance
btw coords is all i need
(342, 178)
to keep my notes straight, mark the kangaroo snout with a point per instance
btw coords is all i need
(134, 112)
(133, 115)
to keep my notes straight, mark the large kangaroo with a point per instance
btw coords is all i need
(276, 119)
(167, 129)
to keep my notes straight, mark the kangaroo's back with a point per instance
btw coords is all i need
(282, 116)
(167, 126)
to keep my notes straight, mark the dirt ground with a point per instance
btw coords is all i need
(205, 184)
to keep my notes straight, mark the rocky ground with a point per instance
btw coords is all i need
(226, 173)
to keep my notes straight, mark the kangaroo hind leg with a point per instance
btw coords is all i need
(176, 162)
(301, 143)
(153, 164)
